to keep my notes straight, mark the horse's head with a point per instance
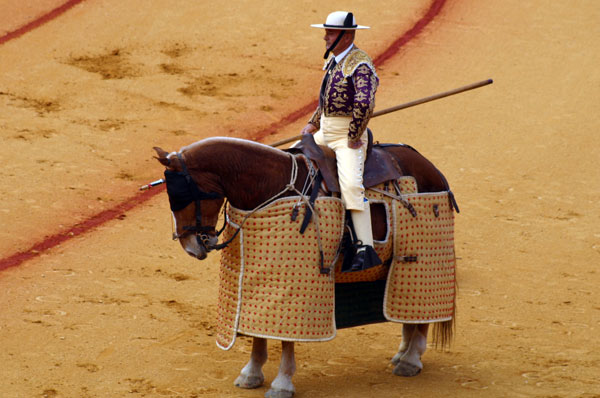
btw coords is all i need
(195, 202)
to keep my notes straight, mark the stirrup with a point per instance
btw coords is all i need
(364, 257)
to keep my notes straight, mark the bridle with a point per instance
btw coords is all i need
(183, 190)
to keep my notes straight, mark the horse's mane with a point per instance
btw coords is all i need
(219, 143)
(247, 171)
(231, 153)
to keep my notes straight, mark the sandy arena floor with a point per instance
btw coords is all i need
(97, 301)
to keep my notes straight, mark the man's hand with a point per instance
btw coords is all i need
(309, 129)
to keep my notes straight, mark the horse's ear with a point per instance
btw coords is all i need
(162, 156)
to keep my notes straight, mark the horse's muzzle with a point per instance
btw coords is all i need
(201, 255)
(194, 245)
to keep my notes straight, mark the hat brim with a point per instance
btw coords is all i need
(323, 26)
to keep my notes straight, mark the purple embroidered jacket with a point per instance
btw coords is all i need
(350, 91)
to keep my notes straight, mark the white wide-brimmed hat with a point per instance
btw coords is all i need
(340, 20)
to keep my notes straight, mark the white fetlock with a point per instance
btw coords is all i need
(407, 334)
(408, 363)
(401, 351)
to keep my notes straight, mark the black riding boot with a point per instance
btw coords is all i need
(364, 258)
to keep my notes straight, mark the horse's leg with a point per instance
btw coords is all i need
(282, 386)
(408, 330)
(413, 346)
(252, 375)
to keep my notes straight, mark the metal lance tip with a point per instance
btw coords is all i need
(152, 184)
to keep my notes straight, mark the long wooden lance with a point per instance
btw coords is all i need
(407, 105)
(375, 114)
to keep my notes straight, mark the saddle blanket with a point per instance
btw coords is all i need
(421, 275)
(270, 280)
(421, 283)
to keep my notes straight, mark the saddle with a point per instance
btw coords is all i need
(379, 166)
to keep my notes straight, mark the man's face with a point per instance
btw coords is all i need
(330, 36)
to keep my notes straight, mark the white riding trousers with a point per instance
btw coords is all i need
(350, 162)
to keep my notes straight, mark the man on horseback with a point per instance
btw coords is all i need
(346, 102)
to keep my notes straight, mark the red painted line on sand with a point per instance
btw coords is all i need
(40, 21)
(434, 9)
(79, 229)
(136, 200)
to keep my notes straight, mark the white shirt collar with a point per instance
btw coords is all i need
(341, 55)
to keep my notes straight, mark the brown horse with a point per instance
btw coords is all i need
(202, 175)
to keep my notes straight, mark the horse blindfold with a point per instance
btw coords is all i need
(182, 190)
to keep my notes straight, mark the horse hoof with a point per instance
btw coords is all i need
(249, 382)
(406, 369)
(279, 394)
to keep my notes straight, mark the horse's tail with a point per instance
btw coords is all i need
(443, 332)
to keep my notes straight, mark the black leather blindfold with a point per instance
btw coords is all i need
(179, 190)
(182, 190)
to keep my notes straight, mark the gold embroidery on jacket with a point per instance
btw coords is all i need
(362, 113)
(315, 119)
(338, 97)
(353, 60)
(337, 94)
